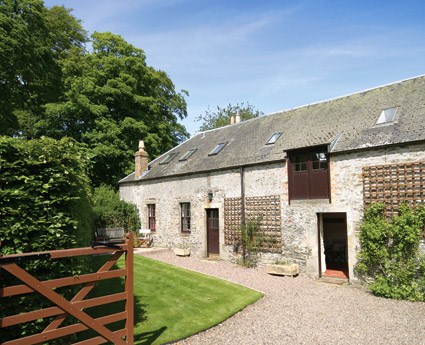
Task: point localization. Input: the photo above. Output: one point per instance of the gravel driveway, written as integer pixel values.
(304, 311)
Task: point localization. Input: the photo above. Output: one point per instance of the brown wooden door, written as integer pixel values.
(213, 242)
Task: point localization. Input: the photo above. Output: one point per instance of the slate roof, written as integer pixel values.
(346, 123)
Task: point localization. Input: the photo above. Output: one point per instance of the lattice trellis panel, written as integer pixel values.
(232, 219)
(394, 183)
(267, 208)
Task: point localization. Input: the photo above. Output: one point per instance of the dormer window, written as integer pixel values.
(187, 154)
(274, 138)
(217, 149)
(387, 115)
(168, 158)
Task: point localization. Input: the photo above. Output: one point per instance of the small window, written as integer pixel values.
(300, 162)
(187, 154)
(168, 158)
(185, 216)
(151, 217)
(387, 115)
(274, 138)
(319, 161)
(217, 149)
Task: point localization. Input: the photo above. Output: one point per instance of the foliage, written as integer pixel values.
(219, 117)
(44, 205)
(390, 254)
(168, 297)
(33, 43)
(111, 101)
(250, 242)
(110, 211)
(107, 98)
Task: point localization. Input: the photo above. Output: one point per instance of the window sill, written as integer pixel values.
(310, 202)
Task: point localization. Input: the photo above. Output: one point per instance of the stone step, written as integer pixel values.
(333, 280)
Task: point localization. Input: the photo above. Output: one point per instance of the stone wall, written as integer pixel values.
(168, 193)
(300, 229)
(347, 183)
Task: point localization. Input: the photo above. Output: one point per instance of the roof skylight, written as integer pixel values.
(217, 149)
(168, 158)
(187, 154)
(273, 138)
(387, 115)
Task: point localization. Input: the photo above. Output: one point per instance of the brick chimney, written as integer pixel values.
(141, 159)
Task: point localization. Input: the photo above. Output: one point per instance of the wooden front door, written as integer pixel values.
(213, 242)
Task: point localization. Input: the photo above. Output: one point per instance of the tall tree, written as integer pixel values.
(32, 42)
(219, 117)
(112, 100)
(107, 98)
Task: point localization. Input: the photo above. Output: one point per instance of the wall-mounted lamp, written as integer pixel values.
(210, 196)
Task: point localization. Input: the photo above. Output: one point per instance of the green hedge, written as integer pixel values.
(44, 195)
(44, 205)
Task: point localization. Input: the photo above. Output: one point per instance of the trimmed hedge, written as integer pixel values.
(44, 195)
(44, 205)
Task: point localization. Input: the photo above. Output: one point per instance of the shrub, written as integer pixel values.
(249, 242)
(390, 256)
(110, 211)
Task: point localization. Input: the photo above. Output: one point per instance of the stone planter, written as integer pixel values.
(283, 270)
(182, 251)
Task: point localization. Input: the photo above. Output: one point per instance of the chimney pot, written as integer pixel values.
(232, 120)
(238, 118)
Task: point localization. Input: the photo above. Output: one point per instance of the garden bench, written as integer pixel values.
(110, 235)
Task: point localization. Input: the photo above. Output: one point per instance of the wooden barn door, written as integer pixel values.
(213, 242)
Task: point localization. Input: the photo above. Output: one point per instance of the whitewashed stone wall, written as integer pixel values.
(299, 219)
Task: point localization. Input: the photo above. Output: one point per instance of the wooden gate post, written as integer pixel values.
(129, 288)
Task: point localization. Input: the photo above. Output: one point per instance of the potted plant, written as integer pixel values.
(283, 268)
(182, 249)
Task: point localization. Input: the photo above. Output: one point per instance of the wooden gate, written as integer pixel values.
(74, 307)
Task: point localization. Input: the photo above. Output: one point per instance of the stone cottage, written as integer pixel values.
(305, 173)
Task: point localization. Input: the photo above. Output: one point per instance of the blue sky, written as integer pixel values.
(275, 55)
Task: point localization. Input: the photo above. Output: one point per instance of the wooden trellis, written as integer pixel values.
(393, 184)
(266, 208)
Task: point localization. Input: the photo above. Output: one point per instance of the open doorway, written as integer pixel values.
(333, 245)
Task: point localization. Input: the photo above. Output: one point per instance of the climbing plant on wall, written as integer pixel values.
(390, 258)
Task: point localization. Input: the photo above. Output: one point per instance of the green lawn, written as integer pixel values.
(172, 303)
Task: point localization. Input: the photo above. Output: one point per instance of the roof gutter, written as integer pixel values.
(146, 178)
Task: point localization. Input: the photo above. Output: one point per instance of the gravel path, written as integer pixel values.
(304, 311)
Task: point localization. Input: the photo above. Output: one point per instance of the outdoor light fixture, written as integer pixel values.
(210, 196)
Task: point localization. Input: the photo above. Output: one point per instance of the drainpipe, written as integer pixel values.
(242, 173)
